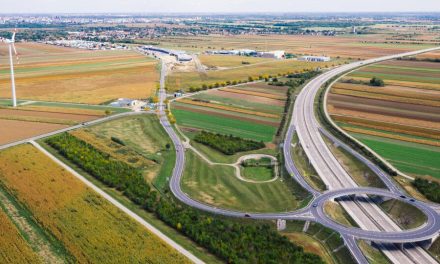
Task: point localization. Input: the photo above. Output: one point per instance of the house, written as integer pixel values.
(125, 102)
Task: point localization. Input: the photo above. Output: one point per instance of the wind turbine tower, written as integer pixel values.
(11, 44)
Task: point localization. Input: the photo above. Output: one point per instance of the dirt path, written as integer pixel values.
(40, 245)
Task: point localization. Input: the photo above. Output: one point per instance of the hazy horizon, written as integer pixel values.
(225, 6)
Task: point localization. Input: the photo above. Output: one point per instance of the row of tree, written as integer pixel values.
(295, 80)
(232, 241)
(227, 144)
(265, 78)
(430, 189)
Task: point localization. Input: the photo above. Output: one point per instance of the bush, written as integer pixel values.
(117, 140)
(377, 82)
(228, 145)
(430, 189)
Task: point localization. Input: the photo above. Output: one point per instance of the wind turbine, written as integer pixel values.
(11, 44)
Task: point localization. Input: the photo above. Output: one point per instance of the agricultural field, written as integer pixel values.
(401, 120)
(89, 227)
(32, 118)
(186, 80)
(15, 130)
(14, 246)
(70, 75)
(359, 46)
(226, 62)
(139, 141)
(251, 111)
(217, 185)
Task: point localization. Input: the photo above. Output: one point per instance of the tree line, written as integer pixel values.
(295, 80)
(227, 144)
(230, 240)
(430, 189)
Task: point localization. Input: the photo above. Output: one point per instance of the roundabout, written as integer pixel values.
(424, 232)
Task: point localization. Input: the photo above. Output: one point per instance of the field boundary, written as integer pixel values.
(120, 206)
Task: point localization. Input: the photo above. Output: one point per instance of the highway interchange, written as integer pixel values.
(378, 226)
(339, 183)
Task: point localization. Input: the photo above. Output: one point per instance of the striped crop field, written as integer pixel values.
(14, 248)
(404, 112)
(58, 74)
(90, 228)
(252, 111)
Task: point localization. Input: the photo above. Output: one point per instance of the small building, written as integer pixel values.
(125, 102)
(314, 58)
(276, 54)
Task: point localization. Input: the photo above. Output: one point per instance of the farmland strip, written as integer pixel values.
(386, 97)
(228, 108)
(391, 136)
(392, 127)
(239, 91)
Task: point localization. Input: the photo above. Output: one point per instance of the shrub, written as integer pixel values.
(227, 144)
(117, 140)
(430, 189)
(377, 82)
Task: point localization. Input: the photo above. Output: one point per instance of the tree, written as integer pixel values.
(377, 82)
(168, 146)
(107, 112)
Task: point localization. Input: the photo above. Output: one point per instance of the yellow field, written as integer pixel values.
(90, 228)
(13, 248)
(70, 75)
(184, 80)
(213, 61)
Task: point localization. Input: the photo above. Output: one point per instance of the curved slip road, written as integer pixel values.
(309, 131)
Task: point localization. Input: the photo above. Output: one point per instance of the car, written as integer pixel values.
(315, 205)
(412, 200)
(247, 215)
(403, 196)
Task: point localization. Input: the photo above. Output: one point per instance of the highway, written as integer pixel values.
(378, 226)
(368, 215)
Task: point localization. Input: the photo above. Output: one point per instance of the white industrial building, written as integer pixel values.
(276, 54)
(315, 58)
(180, 55)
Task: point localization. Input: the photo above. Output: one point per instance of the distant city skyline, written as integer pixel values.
(217, 6)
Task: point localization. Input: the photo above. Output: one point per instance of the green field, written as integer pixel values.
(405, 215)
(257, 173)
(408, 157)
(225, 126)
(398, 77)
(236, 102)
(218, 186)
(144, 135)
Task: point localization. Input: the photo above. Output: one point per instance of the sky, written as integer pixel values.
(215, 6)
